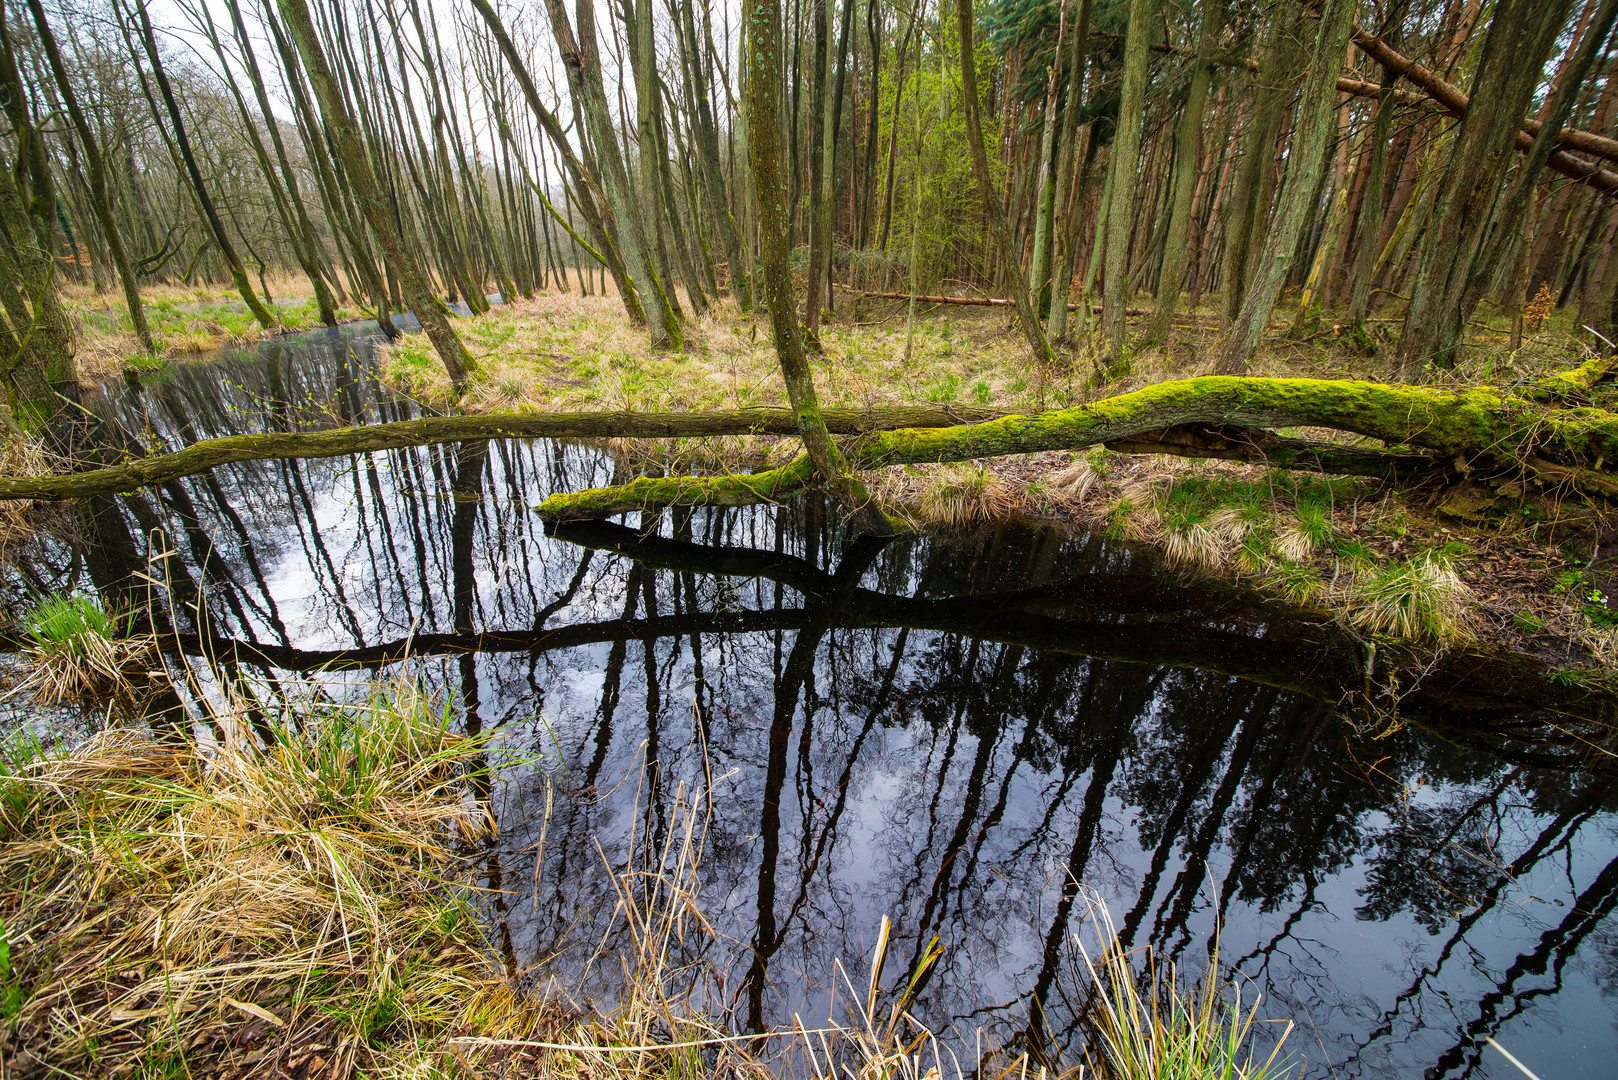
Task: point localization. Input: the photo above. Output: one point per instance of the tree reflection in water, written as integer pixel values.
(952, 733)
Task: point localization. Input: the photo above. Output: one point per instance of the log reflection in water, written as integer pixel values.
(950, 732)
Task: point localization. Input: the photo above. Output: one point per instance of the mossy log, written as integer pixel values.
(1469, 430)
(1428, 432)
(205, 454)
(970, 301)
(1574, 385)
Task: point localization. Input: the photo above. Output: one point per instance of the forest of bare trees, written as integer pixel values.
(1389, 171)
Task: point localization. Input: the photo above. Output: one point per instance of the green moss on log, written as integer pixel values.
(1574, 384)
(429, 431)
(1479, 426)
(651, 492)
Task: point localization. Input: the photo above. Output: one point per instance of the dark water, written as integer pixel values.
(950, 733)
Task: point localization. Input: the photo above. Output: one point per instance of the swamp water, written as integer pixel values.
(944, 731)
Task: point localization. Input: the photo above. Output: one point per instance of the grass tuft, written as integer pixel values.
(966, 495)
(79, 650)
(1149, 1024)
(1421, 597)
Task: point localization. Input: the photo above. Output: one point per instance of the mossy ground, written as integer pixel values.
(1348, 547)
(184, 320)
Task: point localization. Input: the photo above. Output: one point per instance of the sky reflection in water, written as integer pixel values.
(945, 732)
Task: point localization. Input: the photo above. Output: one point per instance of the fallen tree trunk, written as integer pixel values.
(972, 301)
(1470, 430)
(1455, 102)
(428, 431)
(1426, 432)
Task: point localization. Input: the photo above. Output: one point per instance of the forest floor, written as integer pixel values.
(1410, 563)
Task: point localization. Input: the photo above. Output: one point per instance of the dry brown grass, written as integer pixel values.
(565, 352)
(191, 910)
(186, 320)
(283, 286)
(951, 497)
(20, 455)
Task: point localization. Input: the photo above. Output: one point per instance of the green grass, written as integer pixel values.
(11, 994)
(1421, 597)
(68, 620)
(1148, 1023)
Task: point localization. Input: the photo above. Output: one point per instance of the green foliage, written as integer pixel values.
(1355, 553)
(1590, 599)
(1528, 622)
(146, 363)
(17, 796)
(948, 220)
(1299, 583)
(1029, 29)
(945, 391)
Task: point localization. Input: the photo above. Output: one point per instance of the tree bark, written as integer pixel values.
(1045, 197)
(95, 168)
(818, 164)
(1033, 327)
(763, 136)
(1071, 167)
(1187, 146)
(1306, 163)
(1217, 416)
(1519, 38)
(583, 183)
(210, 213)
(1125, 158)
(433, 430)
(581, 58)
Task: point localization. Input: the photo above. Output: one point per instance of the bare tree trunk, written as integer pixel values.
(1071, 166)
(1039, 264)
(1369, 227)
(1306, 164)
(1519, 38)
(97, 177)
(1125, 155)
(1033, 327)
(1186, 154)
(378, 214)
(764, 141)
(583, 183)
(819, 163)
(581, 58)
(216, 225)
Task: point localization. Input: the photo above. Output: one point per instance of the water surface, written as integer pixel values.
(956, 734)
